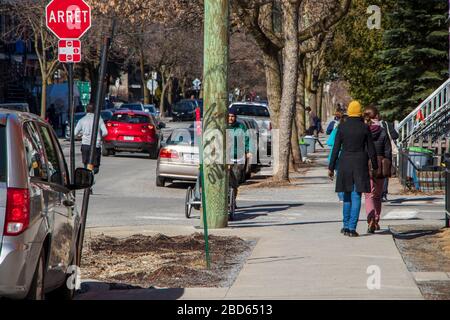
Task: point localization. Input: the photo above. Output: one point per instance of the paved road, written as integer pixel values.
(125, 194)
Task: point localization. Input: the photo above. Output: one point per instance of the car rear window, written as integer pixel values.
(151, 109)
(181, 137)
(255, 111)
(3, 159)
(135, 107)
(184, 106)
(129, 118)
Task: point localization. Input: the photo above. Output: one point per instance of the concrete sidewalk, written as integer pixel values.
(300, 253)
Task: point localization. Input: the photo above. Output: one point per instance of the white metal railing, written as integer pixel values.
(436, 105)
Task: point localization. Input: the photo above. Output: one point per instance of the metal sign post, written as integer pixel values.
(72, 123)
(98, 99)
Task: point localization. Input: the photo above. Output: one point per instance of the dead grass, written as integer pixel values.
(175, 262)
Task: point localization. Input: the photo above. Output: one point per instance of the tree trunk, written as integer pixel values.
(170, 92)
(273, 79)
(145, 91)
(320, 102)
(300, 103)
(162, 102)
(295, 147)
(93, 77)
(183, 87)
(44, 96)
(290, 78)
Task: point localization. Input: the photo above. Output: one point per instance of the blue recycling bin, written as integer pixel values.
(311, 142)
(419, 158)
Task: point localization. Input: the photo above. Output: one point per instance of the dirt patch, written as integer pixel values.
(162, 261)
(426, 248)
(407, 192)
(435, 290)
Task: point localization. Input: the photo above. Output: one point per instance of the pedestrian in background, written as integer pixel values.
(315, 125)
(330, 143)
(393, 136)
(355, 145)
(84, 127)
(335, 122)
(384, 157)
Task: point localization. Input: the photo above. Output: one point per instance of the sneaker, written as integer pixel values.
(353, 233)
(344, 231)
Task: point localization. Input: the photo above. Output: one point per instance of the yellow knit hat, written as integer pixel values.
(354, 109)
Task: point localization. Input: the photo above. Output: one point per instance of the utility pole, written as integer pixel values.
(215, 119)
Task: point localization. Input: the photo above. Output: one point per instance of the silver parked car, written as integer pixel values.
(39, 220)
(178, 159)
(260, 113)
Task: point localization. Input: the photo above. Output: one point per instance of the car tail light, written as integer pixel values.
(17, 211)
(151, 127)
(168, 154)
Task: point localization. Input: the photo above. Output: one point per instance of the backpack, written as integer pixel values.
(330, 127)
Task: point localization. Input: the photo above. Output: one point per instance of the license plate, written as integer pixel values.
(128, 138)
(191, 157)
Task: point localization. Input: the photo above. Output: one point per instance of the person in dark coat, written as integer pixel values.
(354, 140)
(383, 149)
(393, 137)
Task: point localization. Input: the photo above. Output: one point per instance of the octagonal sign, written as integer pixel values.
(68, 19)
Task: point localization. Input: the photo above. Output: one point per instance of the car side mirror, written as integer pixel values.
(84, 179)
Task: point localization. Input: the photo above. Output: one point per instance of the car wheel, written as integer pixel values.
(160, 182)
(105, 152)
(154, 152)
(36, 291)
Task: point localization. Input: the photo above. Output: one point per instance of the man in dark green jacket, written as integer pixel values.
(237, 159)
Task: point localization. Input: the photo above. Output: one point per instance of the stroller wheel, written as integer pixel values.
(188, 204)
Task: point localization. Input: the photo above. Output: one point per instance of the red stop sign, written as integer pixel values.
(68, 19)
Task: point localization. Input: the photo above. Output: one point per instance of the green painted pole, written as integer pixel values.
(215, 86)
(198, 135)
(205, 225)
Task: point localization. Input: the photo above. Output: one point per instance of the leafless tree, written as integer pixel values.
(30, 20)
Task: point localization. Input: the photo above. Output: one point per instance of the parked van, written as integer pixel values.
(39, 221)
